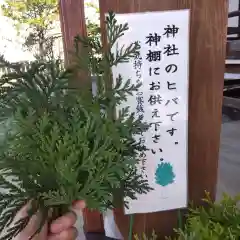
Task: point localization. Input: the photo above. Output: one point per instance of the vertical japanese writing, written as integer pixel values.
(171, 31)
(137, 65)
(162, 70)
(155, 55)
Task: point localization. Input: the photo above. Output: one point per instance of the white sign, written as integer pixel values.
(162, 67)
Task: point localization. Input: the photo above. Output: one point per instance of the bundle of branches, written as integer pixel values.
(62, 143)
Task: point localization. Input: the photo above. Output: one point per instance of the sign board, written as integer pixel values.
(162, 101)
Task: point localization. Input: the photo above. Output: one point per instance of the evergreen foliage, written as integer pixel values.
(215, 221)
(93, 28)
(145, 237)
(39, 16)
(62, 144)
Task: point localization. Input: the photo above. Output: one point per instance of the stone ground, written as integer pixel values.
(229, 158)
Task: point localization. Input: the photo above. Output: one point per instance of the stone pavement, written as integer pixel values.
(229, 158)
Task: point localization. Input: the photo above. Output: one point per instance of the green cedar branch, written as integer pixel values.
(63, 144)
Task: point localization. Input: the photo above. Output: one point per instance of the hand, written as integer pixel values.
(60, 229)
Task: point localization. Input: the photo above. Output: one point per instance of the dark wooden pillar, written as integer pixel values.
(73, 23)
(207, 64)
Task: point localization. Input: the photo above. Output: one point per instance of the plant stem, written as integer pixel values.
(131, 227)
(180, 225)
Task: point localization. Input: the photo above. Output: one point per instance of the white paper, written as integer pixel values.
(110, 227)
(79, 224)
(170, 72)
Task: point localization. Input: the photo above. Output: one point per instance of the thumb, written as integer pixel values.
(32, 226)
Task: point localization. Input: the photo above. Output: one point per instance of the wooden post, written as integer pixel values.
(73, 23)
(207, 64)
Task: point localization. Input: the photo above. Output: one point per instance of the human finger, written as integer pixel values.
(32, 225)
(69, 234)
(63, 223)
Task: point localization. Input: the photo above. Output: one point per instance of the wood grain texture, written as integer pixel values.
(207, 64)
(72, 19)
(93, 221)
